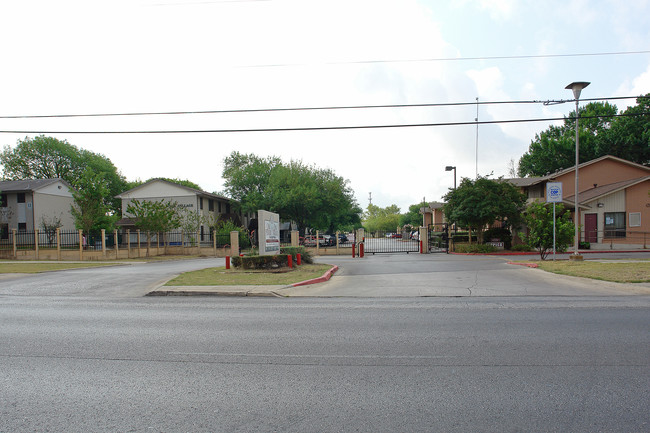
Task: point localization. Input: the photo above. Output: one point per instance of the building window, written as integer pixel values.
(201, 203)
(4, 232)
(22, 227)
(635, 219)
(20, 197)
(228, 208)
(219, 207)
(614, 224)
(3, 200)
(211, 205)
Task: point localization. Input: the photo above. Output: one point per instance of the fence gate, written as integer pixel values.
(438, 235)
(391, 242)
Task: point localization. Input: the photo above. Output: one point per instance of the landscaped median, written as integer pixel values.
(618, 271)
(244, 282)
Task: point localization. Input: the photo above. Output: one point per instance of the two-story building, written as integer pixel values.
(26, 204)
(205, 204)
(613, 199)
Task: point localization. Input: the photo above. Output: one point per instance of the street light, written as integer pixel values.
(450, 168)
(576, 87)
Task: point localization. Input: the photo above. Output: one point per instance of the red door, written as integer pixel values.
(591, 227)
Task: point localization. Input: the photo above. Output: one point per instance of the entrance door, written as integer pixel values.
(591, 227)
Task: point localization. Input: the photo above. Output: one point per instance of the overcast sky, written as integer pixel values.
(124, 56)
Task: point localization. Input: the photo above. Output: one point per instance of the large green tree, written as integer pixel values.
(155, 216)
(44, 157)
(413, 217)
(554, 148)
(385, 219)
(91, 208)
(476, 204)
(310, 196)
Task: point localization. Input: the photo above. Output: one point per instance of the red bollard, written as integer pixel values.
(352, 250)
(421, 252)
(361, 250)
(290, 260)
(298, 259)
(227, 262)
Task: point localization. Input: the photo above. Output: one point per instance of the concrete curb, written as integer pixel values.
(530, 265)
(326, 276)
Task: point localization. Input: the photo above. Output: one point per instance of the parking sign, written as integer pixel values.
(554, 192)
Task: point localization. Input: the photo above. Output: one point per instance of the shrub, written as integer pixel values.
(584, 245)
(305, 256)
(475, 249)
(503, 234)
(520, 247)
(261, 262)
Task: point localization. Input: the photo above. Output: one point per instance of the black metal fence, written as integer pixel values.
(392, 242)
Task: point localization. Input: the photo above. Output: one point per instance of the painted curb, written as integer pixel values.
(326, 276)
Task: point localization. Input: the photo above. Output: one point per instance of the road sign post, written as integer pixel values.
(554, 195)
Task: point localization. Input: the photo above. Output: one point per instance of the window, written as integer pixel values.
(227, 207)
(219, 207)
(4, 231)
(211, 205)
(3, 200)
(635, 219)
(20, 197)
(201, 203)
(22, 227)
(614, 224)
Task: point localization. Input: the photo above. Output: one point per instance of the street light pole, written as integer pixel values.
(450, 168)
(576, 87)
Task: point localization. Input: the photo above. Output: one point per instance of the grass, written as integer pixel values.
(615, 271)
(235, 277)
(36, 267)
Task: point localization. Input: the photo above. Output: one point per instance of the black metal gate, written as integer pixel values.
(391, 242)
(438, 235)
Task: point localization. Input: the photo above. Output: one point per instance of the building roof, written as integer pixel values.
(522, 182)
(603, 190)
(196, 191)
(26, 185)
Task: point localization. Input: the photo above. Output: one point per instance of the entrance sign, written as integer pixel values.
(554, 192)
(554, 195)
(268, 232)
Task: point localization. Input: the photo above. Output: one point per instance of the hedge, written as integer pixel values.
(261, 262)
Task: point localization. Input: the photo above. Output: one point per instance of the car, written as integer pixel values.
(343, 239)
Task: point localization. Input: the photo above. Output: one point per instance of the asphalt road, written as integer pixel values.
(275, 364)
(83, 351)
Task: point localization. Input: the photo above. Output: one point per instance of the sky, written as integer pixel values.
(143, 56)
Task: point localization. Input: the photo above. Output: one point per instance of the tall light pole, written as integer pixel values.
(576, 87)
(450, 168)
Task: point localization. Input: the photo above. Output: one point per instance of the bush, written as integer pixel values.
(503, 234)
(475, 249)
(261, 262)
(520, 247)
(584, 245)
(305, 256)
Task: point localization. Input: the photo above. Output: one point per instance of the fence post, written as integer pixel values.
(234, 243)
(148, 242)
(104, 243)
(81, 244)
(317, 242)
(58, 243)
(13, 235)
(295, 238)
(36, 243)
(128, 243)
(424, 239)
(214, 240)
(139, 243)
(337, 242)
(116, 241)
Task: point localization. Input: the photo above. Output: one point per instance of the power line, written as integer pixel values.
(450, 59)
(318, 128)
(335, 107)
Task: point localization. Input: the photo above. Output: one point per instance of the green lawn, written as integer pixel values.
(235, 277)
(616, 271)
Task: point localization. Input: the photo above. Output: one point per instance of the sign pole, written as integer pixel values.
(554, 195)
(553, 231)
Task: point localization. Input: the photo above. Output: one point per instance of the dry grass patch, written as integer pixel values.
(235, 277)
(615, 271)
(36, 267)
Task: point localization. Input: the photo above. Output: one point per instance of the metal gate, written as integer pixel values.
(390, 242)
(438, 236)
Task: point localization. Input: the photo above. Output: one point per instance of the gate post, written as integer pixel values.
(424, 239)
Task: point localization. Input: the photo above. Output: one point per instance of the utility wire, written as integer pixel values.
(341, 107)
(318, 128)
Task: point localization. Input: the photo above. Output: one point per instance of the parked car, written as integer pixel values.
(343, 239)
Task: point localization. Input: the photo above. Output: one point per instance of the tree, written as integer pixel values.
(47, 158)
(154, 216)
(475, 204)
(381, 219)
(413, 217)
(91, 209)
(602, 131)
(539, 219)
(312, 197)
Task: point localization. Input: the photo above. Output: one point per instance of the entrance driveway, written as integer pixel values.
(399, 275)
